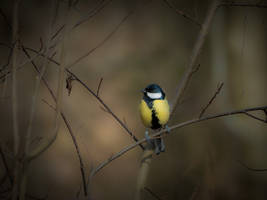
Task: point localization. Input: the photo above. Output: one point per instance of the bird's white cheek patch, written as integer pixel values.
(154, 95)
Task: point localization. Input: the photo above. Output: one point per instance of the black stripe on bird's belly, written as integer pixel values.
(155, 120)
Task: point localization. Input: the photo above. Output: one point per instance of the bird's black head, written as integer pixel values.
(153, 91)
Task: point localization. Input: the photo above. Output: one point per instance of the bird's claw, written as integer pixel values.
(167, 129)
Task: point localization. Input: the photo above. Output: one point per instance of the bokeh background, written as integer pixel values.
(153, 45)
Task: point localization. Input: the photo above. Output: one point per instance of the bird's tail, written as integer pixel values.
(159, 145)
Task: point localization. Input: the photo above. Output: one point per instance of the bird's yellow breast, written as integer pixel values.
(145, 113)
(161, 110)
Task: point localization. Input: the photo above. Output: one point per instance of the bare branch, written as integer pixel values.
(99, 85)
(180, 125)
(105, 106)
(29, 49)
(195, 53)
(254, 117)
(6, 165)
(57, 32)
(91, 14)
(179, 12)
(8, 60)
(51, 106)
(77, 151)
(250, 168)
(65, 121)
(107, 109)
(81, 57)
(237, 4)
(152, 193)
(211, 100)
(101, 43)
(6, 19)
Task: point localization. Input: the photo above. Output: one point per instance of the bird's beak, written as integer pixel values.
(143, 91)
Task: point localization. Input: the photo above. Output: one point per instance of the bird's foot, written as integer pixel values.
(148, 139)
(157, 150)
(167, 129)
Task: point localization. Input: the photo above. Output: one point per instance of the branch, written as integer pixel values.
(6, 165)
(180, 125)
(8, 60)
(152, 193)
(91, 14)
(101, 43)
(195, 53)
(26, 49)
(105, 106)
(236, 4)
(250, 168)
(6, 19)
(77, 151)
(254, 117)
(98, 88)
(81, 57)
(29, 49)
(64, 119)
(211, 100)
(179, 12)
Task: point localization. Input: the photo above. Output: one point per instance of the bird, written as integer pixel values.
(154, 112)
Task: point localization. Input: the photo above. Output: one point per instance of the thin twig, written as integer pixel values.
(51, 106)
(6, 19)
(105, 106)
(8, 60)
(180, 125)
(101, 43)
(81, 57)
(254, 117)
(78, 153)
(28, 135)
(6, 165)
(152, 193)
(99, 85)
(92, 13)
(64, 119)
(30, 49)
(57, 32)
(211, 100)
(195, 53)
(179, 12)
(250, 168)
(236, 4)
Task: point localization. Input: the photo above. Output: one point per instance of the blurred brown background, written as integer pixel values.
(153, 45)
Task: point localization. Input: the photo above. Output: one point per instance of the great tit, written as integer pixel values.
(155, 113)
